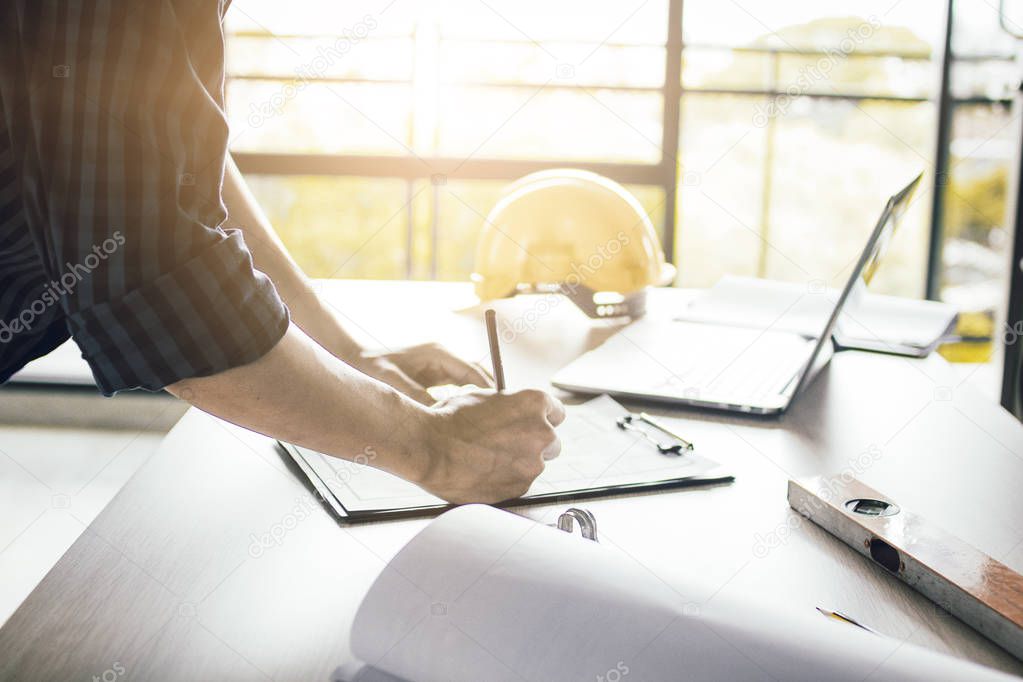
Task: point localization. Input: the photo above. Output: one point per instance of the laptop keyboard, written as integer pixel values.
(704, 362)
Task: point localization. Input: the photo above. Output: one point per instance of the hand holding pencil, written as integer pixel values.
(489, 446)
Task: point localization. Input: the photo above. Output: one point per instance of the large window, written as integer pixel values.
(762, 137)
(982, 141)
(379, 134)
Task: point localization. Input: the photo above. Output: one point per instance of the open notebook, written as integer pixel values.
(482, 594)
(597, 458)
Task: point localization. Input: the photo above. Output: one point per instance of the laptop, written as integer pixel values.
(738, 369)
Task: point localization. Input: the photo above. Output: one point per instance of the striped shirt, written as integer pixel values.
(113, 142)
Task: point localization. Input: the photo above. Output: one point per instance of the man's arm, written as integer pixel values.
(158, 297)
(269, 254)
(482, 447)
(410, 370)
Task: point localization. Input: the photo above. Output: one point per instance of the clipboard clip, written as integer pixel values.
(680, 447)
(585, 518)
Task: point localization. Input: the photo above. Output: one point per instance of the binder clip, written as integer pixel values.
(587, 522)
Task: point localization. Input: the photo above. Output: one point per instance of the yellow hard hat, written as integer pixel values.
(574, 232)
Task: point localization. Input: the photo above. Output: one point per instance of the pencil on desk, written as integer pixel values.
(495, 349)
(841, 617)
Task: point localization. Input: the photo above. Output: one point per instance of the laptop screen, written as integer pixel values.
(866, 267)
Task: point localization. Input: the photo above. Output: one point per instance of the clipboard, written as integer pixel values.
(601, 457)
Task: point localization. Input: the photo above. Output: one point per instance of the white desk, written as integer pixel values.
(58, 390)
(163, 583)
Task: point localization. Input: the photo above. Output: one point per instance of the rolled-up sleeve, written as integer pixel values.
(115, 113)
(210, 313)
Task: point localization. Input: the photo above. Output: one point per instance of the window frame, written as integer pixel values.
(665, 173)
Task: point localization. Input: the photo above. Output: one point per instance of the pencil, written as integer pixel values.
(495, 349)
(841, 617)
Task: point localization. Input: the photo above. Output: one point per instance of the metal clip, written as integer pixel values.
(626, 423)
(587, 522)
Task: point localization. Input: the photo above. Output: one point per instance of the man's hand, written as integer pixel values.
(489, 447)
(475, 447)
(413, 370)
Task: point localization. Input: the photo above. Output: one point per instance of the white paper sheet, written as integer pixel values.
(482, 594)
(595, 453)
(870, 320)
